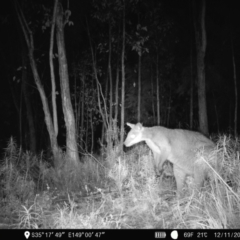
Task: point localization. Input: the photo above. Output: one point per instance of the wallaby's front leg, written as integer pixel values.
(158, 160)
(180, 176)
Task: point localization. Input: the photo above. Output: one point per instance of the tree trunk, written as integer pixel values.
(117, 78)
(110, 86)
(235, 90)
(105, 127)
(169, 106)
(54, 105)
(92, 132)
(71, 142)
(31, 127)
(116, 93)
(191, 90)
(48, 119)
(18, 106)
(82, 98)
(123, 78)
(191, 76)
(99, 87)
(158, 94)
(153, 100)
(215, 108)
(86, 133)
(139, 87)
(201, 43)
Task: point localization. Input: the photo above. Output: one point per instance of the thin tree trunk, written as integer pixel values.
(116, 93)
(158, 93)
(201, 43)
(18, 107)
(153, 100)
(92, 125)
(191, 89)
(117, 79)
(110, 85)
(86, 134)
(82, 113)
(92, 133)
(104, 127)
(76, 102)
(139, 87)
(54, 105)
(191, 103)
(169, 106)
(123, 78)
(191, 77)
(235, 90)
(48, 119)
(230, 116)
(215, 108)
(20, 121)
(71, 141)
(31, 127)
(99, 87)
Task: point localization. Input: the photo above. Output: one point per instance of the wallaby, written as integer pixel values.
(180, 147)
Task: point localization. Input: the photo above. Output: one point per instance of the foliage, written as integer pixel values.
(118, 194)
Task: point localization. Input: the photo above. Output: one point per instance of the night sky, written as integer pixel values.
(177, 46)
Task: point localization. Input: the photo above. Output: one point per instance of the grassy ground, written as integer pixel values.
(116, 192)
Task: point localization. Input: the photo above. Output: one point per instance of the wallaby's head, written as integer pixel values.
(135, 135)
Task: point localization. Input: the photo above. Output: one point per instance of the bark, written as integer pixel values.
(27, 99)
(201, 43)
(92, 132)
(191, 104)
(71, 141)
(99, 87)
(87, 124)
(48, 119)
(191, 77)
(18, 105)
(117, 80)
(76, 96)
(139, 87)
(110, 76)
(105, 127)
(158, 94)
(216, 112)
(169, 106)
(54, 105)
(191, 91)
(123, 78)
(82, 98)
(116, 92)
(235, 90)
(153, 100)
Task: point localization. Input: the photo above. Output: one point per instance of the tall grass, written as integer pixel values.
(116, 191)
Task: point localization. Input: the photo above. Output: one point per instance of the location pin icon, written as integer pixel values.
(27, 234)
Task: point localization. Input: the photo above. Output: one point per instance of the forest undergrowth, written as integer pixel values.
(116, 192)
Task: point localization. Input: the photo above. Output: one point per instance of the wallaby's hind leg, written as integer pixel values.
(180, 176)
(156, 160)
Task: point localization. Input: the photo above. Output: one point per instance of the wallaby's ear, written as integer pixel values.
(139, 125)
(131, 125)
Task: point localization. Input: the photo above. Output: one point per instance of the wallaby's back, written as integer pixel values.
(181, 145)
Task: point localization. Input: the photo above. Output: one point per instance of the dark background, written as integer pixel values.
(177, 47)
